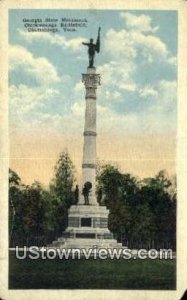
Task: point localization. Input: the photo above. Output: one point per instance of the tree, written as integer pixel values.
(14, 179)
(155, 191)
(142, 227)
(37, 214)
(62, 191)
(119, 195)
(119, 221)
(142, 212)
(34, 209)
(62, 184)
(15, 205)
(109, 181)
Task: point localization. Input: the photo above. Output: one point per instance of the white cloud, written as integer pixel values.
(150, 45)
(78, 109)
(161, 115)
(148, 92)
(122, 49)
(126, 45)
(167, 93)
(127, 48)
(23, 99)
(138, 23)
(130, 87)
(73, 44)
(119, 44)
(164, 92)
(110, 121)
(117, 73)
(38, 68)
(47, 122)
(116, 78)
(79, 87)
(154, 119)
(26, 110)
(173, 61)
(111, 96)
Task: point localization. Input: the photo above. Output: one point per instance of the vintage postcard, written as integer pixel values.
(93, 149)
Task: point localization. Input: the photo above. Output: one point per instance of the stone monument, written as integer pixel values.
(88, 221)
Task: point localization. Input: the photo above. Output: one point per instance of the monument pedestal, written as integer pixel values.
(87, 227)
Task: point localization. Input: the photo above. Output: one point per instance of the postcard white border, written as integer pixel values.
(181, 7)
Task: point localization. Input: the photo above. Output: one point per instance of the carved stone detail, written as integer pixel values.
(91, 80)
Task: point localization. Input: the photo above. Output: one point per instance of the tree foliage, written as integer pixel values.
(62, 183)
(142, 212)
(36, 213)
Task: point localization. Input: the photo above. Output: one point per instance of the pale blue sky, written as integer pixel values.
(136, 103)
(137, 64)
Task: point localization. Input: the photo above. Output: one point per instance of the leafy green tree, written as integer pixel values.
(34, 209)
(50, 223)
(59, 217)
(119, 221)
(62, 184)
(40, 217)
(143, 212)
(109, 181)
(36, 213)
(142, 227)
(119, 195)
(62, 190)
(155, 192)
(30, 212)
(14, 179)
(129, 189)
(16, 200)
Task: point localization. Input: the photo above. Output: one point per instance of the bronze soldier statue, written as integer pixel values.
(76, 194)
(85, 191)
(92, 48)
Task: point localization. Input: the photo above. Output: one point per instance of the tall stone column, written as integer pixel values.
(91, 80)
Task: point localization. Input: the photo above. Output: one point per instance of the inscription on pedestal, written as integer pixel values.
(86, 222)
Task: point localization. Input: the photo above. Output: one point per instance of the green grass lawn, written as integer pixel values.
(91, 274)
